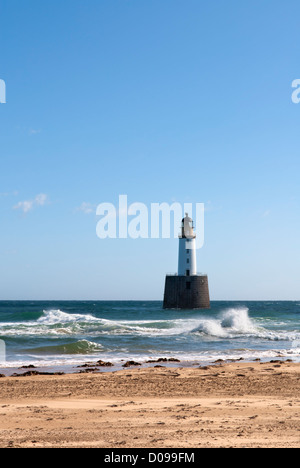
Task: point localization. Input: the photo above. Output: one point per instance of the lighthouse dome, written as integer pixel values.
(187, 227)
(187, 219)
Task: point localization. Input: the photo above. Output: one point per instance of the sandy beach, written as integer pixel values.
(224, 405)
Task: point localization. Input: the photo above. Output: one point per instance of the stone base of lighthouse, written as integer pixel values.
(186, 292)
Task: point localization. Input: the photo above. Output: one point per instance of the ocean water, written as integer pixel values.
(70, 333)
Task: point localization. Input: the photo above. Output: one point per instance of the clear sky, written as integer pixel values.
(173, 100)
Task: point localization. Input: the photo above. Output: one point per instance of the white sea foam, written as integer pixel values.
(238, 320)
(51, 317)
(230, 323)
(118, 359)
(202, 336)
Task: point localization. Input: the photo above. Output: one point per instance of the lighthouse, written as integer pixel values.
(187, 289)
(187, 264)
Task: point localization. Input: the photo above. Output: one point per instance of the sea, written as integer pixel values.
(63, 335)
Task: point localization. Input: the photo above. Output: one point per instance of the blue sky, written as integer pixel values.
(186, 101)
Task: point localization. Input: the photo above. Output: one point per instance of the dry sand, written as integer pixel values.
(226, 405)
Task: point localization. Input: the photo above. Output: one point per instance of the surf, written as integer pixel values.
(83, 347)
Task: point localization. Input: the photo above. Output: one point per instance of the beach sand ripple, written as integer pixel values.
(225, 405)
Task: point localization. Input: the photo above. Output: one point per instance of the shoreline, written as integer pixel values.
(98, 366)
(237, 404)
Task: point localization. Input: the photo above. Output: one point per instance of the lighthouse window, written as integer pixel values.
(187, 260)
(187, 272)
(187, 251)
(188, 285)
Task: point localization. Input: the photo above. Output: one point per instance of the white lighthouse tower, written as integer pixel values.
(187, 262)
(187, 289)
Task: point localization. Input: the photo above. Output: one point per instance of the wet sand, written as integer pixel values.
(225, 405)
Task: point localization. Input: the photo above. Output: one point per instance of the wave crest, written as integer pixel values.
(78, 347)
(238, 320)
(230, 323)
(52, 317)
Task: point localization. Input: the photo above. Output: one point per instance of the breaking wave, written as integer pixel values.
(84, 347)
(236, 323)
(79, 331)
(228, 324)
